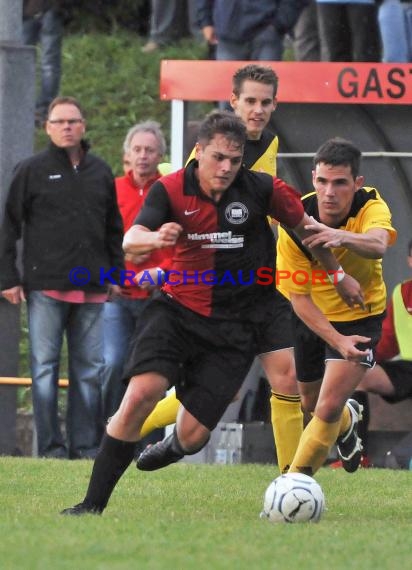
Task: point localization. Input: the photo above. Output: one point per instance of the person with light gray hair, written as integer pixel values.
(144, 146)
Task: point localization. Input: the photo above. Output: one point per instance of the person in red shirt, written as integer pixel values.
(144, 147)
(394, 328)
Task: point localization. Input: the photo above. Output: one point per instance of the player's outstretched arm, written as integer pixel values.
(313, 317)
(371, 244)
(348, 288)
(139, 239)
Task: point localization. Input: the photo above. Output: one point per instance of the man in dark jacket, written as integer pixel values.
(62, 203)
(246, 29)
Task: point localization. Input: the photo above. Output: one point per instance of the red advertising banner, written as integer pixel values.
(299, 82)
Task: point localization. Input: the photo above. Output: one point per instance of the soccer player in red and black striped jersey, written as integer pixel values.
(198, 333)
(253, 99)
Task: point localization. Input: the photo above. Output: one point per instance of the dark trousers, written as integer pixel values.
(348, 32)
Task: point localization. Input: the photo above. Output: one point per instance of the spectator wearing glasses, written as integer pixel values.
(62, 203)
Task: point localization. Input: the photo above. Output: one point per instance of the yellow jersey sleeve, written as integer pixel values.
(374, 215)
(304, 277)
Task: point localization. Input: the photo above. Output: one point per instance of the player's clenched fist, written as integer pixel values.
(139, 239)
(168, 234)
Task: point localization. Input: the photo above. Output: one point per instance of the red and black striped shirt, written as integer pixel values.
(223, 244)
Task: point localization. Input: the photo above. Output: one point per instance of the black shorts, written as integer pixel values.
(206, 359)
(311, 351)
(274, 331)
(400, 375)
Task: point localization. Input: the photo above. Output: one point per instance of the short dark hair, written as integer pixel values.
(222, 123)
(64, 100)
(339, 152)
(253, 72)
(410, 248)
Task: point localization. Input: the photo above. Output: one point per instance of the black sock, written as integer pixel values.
(112, 460)
(363, 428)
(175, 444)
(177, 447)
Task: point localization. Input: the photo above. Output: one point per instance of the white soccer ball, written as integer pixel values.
(293, 498)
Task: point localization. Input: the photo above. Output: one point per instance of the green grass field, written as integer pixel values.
(199, 517)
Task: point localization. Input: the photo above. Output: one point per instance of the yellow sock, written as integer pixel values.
(163, 415)
(287, 424)
(345, 421)
(314, 446)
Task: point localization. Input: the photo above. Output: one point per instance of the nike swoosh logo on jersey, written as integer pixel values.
(189, 212)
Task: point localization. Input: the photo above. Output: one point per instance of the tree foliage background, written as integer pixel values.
(104, 15)
(118, 85)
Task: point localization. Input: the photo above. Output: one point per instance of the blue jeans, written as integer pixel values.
(265, 45)
(120, 318)
(395, 25)
(83, 324)
(46, 30)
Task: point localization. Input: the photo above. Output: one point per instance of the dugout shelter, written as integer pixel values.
(367, 103)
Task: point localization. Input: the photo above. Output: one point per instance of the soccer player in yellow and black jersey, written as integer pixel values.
(253, 99)
(334, 343)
